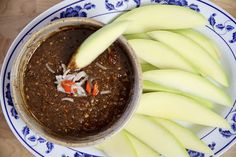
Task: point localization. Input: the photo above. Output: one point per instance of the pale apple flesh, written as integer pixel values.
(141, 148)
(137, 36)
(188, 139)
(153, 17)
(149, 86)
(202, 41)
(177, 107)
(117, 146)
(159, 55)
(96, 44)
(192, 52)
(155, 136)
(188, 83)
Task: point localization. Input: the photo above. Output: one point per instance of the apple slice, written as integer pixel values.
(173, 106)
(188, 139)
(155, 136)
(149, 86)
(153, 17)
(192, 52)
(137, 36)
(201, 40)
(141, 148)
(118, 146)
(159, 55)
(96, 44)
(188, 83)
(147, 67)
(141, 61)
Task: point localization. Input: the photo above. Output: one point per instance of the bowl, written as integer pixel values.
(17, 75)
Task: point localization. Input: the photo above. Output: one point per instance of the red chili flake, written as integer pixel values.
(88, 87)
(67, 84)
(95, 89)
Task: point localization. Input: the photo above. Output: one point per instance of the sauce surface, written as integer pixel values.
(86, 115)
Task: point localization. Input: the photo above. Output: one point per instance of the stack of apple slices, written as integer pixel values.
(182, 80)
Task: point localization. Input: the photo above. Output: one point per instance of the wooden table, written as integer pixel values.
(14, 15)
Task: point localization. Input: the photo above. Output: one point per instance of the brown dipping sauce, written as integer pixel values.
(87, 115)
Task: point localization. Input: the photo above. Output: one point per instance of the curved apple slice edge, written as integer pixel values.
(96, 44)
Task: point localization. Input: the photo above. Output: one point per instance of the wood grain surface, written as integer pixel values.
(14, 15)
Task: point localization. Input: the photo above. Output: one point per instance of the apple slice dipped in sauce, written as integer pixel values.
(96, 44)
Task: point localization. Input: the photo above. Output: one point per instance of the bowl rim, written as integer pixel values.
(34, 124)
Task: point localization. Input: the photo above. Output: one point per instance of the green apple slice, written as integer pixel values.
(192, 52)
(141, 61)
(147, 67)
(155, 136)
(188, 83)
(201, 40)
(137, 36)
(141, 148)
(185, 136)
(174, 106)
(159, 55)
(153, 17)
(118, 146)
(149, 86)
(97, 43)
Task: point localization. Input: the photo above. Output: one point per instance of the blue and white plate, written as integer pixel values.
(222, 29)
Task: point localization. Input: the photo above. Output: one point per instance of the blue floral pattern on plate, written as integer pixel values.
(179, 3)
(199, 154)
(232, 131)
(195, 154)
(9, 99)
(120, 4)
(77, 11)
(223, 28)
(35, 140)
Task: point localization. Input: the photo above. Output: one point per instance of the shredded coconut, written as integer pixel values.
(79, 75)
(101, 66)
(71, 83)
(65, 73)
(63, 67)
(67, 99)
(49, 68)
(105, 92)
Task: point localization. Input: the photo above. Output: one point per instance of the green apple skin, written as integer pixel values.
(178, 107)
(188, 83)
(147, 67)
(149, 86)
(202, 41)
(119, 145)
(192, 52)
(155, 136)
(159, 55)
(137, 36)
(153, 17)
(185, 136)
(91, 48)
(141, 148)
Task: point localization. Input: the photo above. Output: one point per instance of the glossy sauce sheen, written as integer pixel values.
(86, 115)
